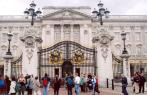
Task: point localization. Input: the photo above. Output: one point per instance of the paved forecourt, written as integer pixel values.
(63, 91)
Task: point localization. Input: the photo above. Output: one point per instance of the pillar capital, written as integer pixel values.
(103, 37)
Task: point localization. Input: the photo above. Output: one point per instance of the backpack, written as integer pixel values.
(2, 83)
(17, 87)
(45, 82)
(69, 81)
(81, 81)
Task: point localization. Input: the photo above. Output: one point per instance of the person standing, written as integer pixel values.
(45, 81)
(77, 84)
(21, 82)
(136, 82)
(85, 83)
(82, 82)
(29, 85)
(8, 82)
(141, 83)
(69, 83)
(124, 85)
(93, 84)
(12, 86)
(37, 87)
(97, 86)
(2, 86)
(57, 83)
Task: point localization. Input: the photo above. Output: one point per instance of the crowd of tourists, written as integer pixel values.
(13, 85)
(138, 83)
(33, 86)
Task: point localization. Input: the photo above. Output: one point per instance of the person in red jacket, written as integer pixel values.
(97, 86)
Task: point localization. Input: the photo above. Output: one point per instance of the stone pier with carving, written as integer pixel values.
(104, 56)
(30, 41)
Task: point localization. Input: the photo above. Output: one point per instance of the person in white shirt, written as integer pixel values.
(93, 84)
(37, 86)
(77, 84)
(12, 86)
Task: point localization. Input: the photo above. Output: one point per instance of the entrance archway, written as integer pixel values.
(67, 68)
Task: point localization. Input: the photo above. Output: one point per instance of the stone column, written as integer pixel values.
(104, 56)
(71, 34)
(7, 68)
(30, 59)
(7, 65)
(126, 67)
(62, 32)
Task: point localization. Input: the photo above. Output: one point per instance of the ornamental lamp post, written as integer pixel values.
(31, 12)
(123, 35)
(9, 40)
(125, 56)
(8, 57)
(101, 12)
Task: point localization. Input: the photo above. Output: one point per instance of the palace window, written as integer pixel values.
(129, 48)
(15, 37)
(128, 36)
(118, 49)
(138, 50)
(4, 37)
(66, 31)
(3, 50)
(85, 32)
(76, 33)
(138, 36)
(57, 31)
(48, 32)
(117, 36)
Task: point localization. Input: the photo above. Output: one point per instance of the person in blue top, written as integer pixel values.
(93, 84)
(2, 85)
(45, 82)
(30, 85)
(69, 83)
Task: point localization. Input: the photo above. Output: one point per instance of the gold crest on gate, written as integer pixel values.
(55, 57)
(78, 57)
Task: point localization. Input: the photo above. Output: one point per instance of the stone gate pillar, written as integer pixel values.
(102, 43)
(30, 41)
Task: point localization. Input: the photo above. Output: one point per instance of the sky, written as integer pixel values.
(116, 7)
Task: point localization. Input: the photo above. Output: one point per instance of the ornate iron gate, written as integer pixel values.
(16, 67)
(117, 66)
(66, 57)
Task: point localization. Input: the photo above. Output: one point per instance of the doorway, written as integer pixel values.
(67, 68)
(56, 71)
(78, 71)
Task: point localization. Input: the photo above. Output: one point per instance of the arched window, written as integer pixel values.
(129, 49)
(139, 49)
(118, 49)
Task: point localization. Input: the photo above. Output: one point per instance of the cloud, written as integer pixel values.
(139, 9)
(116, 7)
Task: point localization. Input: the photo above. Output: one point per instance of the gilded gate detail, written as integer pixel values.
(70, 53)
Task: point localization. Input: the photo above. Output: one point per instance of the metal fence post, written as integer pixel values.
(107, 83)
(112, 84)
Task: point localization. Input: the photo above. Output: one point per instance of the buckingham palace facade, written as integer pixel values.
(63, 40)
